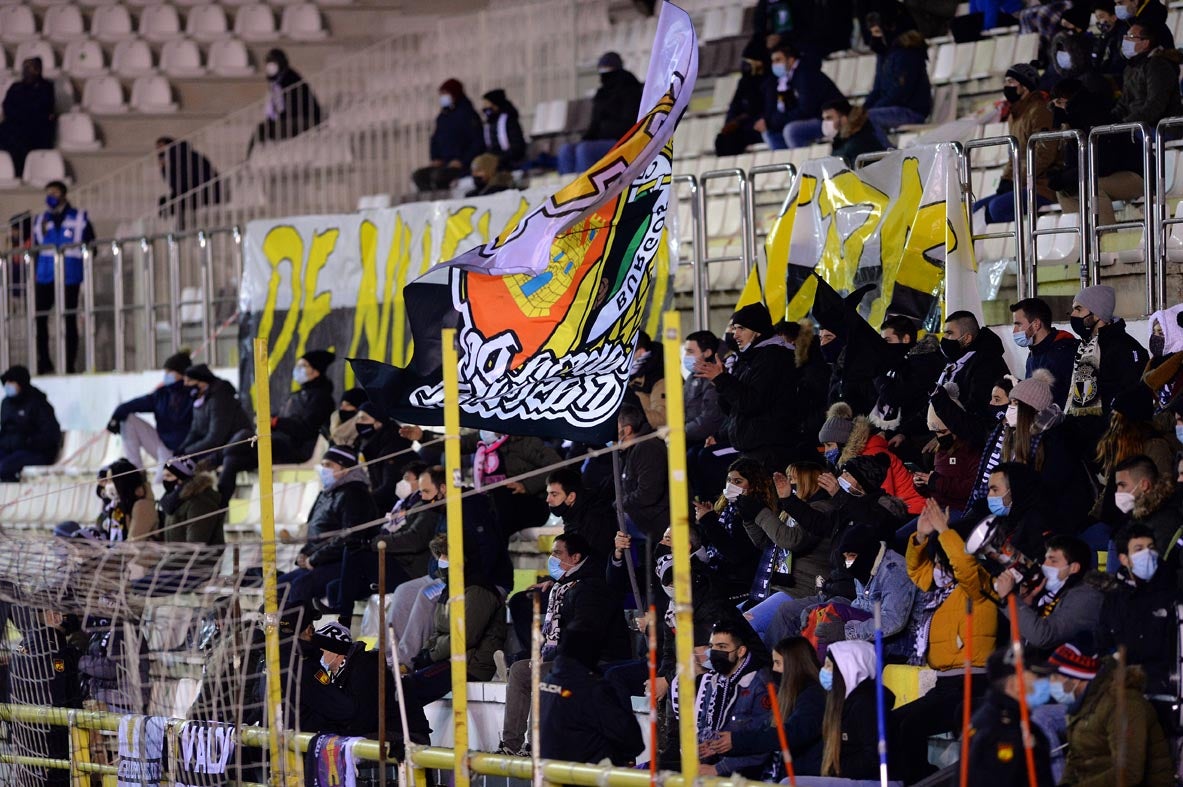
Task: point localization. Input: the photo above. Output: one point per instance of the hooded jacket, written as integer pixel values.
(898, 482)
(216, 417)
(901, 76)
(859, 758)
(859, 138)
(304, 414)
(615, 105)
(1150, 88)
(1123, 359)
(1030, 115)
(28, 423)
(753, 396)
(1159, 510)
(171, 408)
(344, 505)
(1057, 354)
(645, 485)
(584, 717)
(199, 505)
(459, 134)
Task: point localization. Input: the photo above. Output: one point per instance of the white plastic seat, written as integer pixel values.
(181, 58)
(1004, 50)
(228, 58)
(1026, 48)
(63, 23)
(17, 23)
(132, 58)
(963, 58)
(76, 133)
(84, 59)
(96, 3)
(945, 60)
(8, 178)
(864, 76)
(152, 95)
(254, 22)
(103, 96)
(42, 166)
(111, 23)
(160, 23)
(983, 59)
(37, 48)
(207, 23)
(303, 23)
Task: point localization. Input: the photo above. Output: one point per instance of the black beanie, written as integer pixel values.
(754, 317)
(319, 359)
(869, 471)
(372, 409)
(200, 373)
(178, 362)
(344, 455)
(355, 396)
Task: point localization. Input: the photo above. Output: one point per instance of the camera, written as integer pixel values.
(990, 543)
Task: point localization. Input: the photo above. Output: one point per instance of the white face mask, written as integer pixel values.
(849, 562)
(1054, 583)
(1012, 415)
(327, 477)
(271, 69)
(1122, 12)
(732, 492)
(1128, 48)
(403, 489)
(1143, 564)
(1124, 501)
(445, 100)
(829, 129)
(1063, 60)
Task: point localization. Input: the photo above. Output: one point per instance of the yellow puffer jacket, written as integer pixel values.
(946, 639)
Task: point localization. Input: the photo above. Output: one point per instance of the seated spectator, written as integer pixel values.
(488, 177)
(954, 464)
(901, 93)
(1070, 50)
(190, 513)
(1064, 605)
(849, 129)
(1108, 360)
(744, 122)
(1047, 347)
(850, 733)
(644, 478)
(1147, 496)
(580, 511)
(865, 440)
(291, 108)
(1107, 56)
(342, 426)
(996, 748)
(217, 415)
(192, 180)
(732, 697)
(503, 129)
(385, 452)
(172, 412)
(29, 431)
(1029, 115)
(131, 515)
(1111, 739)
(732, 555)
(30, 119)
(458, 139)
(294, 430)
(794, 94)
(614, 111)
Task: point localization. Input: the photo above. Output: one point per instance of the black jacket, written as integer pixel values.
(1057, 354)
(385, 473)
(28, 423)
(301, 110)
(347, 504)
(860, 138)
(504, 137)
(409, 544)
(191, 175)
(747, 103)
(860, 731)
(593, 605)
(216, 416)
(584, 718)
(615, 106)
(996, 756)
(902, 406)
(975, 381)
(304, 414)
(29, 114)
(592, 518)
(458, 135)
(644, 485)
(1141, 616)
(754, 395)
(805, 93)
(1123, 359)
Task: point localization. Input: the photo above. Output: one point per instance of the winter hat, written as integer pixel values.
(754, 317)
(1001, 664)
(497, 98)
(16, 374)
(1099, 299)
(839, 422)
(319, 359)
(935, 424)
(333, 637)
(200, 373)
(610, 60)
(178, 362)
(1135, 404)
(344, 455)
(1025, 74)
(1069, 661)
(870, 471)
(373, 410)
(181, 467)
(454, 88)
(355, 396)
(1035, 391)
(1078, 15)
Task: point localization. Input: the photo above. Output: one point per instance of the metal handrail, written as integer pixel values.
(1162, 218)
(747, 239)
(1034, 233)
(699, 247)
(1012, 146)
(863, 159)
(754, 174)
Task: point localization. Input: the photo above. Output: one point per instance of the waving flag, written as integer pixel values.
(548, 313)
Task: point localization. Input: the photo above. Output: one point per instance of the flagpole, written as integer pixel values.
(967, 696)
(652, 695)
(785, 754)
(680, 528)
(451, 369)
(1021, 678)
(620, 525)
(880, 702)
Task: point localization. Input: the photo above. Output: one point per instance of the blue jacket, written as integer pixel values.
(72, 226)
(1057, 354)
(750, 713)
(172, 408)
(459, 134)
(901, 76)
(808, 90)
(891, 585)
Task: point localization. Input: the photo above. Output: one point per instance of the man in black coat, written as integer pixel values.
(901, 410)
(975, 361)
(503, 129)
(582, 512)
(217, 414)
(29, 431)
(291, 108)
(644, 478)
(614, 112)
(386, 453)
(29, 119)
(1108, 360)
(996, 754)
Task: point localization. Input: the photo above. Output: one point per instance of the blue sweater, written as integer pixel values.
(459, 134)
(172, 408)
(901, 76)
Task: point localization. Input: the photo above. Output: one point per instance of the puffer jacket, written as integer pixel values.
(484, 622)
(199, 506)
(946, 636)
(28, 423)
(1123, 358)
(1091, 761)
(216, 416)
(346, 504)
(753, 396)
(1150, 88)
(899, 481)
(304, 414)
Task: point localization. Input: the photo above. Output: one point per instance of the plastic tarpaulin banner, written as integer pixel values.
(898, 224)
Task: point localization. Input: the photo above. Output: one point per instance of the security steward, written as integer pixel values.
(996, 754)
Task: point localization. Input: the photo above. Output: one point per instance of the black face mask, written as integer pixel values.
(878, 45)
(1010, 93)
(346, 415)
(1081, 328)
(365, 430)
(945, 442)
(489, 113)
(170, 485)
(831, 351)
(1157, 345)
(480, 183)
(996, 410)
(560, 510)
(721, 661)
(952, 349)
(194, 392)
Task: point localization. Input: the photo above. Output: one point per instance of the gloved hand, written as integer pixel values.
(422, 659)
(748, 506)
(833, 631)
(113, 426)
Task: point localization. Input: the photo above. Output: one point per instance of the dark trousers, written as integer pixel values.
(244, 457)
(436, 178)
(12, 462)
(521, 613)
(429, 684)
(305, 584)
(44, 298)
(939, 711)
(357, 581)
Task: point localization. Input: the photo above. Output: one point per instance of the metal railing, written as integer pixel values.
(698, 248)
(1016, 235)
(738, 179)
(1073, 138)
(1166, 129)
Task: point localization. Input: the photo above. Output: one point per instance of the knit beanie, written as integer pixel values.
(1099, 299)
(754, 317)
(839, 422)
(178, 362)
(201, 373)
(935, 424)
(319, 359)
(1025, 74)
(1035, 391)
(1135, 404)
(1069, 661)
(870, 471)
(181, 467)
(355, 396)
(344, 455)
(610, 60)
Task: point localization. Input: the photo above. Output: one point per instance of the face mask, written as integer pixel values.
(829, 129)
(952, 349)
(326, 476)
(1157, 345)
(779, 70)
(1080, 328)
(324, 663)
(300, 375)
(1063, 60)
(848, 488)
(403, 489)
(1144, 564)
(271, 69)
(720, 661)
(52, 201)
(878, 46)
(1012, 415)
(688, 362)
(997, 507)
(443, 564)
(170, 485)
(1021, 339)
(1040, 693)
(732, 492)
(554, 567)
(488, 438)
(194, 392)
(832, 455)
(945, 442)
(1124, 501)
(1060, 695)
(11, 390)
(1054, 583)
(365, 430)
(1011, 93)
(445, 100)
(1127, 48)
(825, 676)
(171, 377)
(1179, 432)
(489, 113)
(849, 563)
(1122, 12)
(346, 415)
(560, 510)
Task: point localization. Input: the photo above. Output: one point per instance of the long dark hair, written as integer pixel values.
(832, 725)
(759, 480)
(801, 668)
(128, 480)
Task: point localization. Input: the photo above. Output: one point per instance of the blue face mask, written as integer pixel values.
(832, 455)
(825, 676)
(11, 390)
(300, 375)
(1040, 693)
(326, 476)
(52, 201)
(171, 377)
(1021, 339)
(554, 567)
(443, 564)
(997, 507)
(779, 70)
(1059, 695)
(688, 363)
(1179, 432)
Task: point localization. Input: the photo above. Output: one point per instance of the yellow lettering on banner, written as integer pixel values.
(398, 265)
(315, 306)
(458, 226)
(660, 285)
(902, 229)
(367, 320)
(482, 226)
(282, 244)
(840, 257)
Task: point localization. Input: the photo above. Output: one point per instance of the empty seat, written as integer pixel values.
(152, 95)
(111, 23)
(42, 166)
(983, 60)
(63, 23)
(8, 178)
(945, 60)
(103, 95)
(84, 59)
(132, 58)
(41, 49)
(228, 58)
(254, 22)
(76, 132)
(181, 58)
(17, 23)
(96, 3)
(302, 23)
(206, 23)
(160, 22)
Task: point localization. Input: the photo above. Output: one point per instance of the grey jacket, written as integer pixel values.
(703, 416)
(1076, 613)
(810, 547)
(216, 419)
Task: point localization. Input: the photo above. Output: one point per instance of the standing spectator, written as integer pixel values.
(996, 749)
(1047, 346)
(29, 118)
(614, 112)
(1108, 360)
(975, 362)
(217, 414)
(1029, 115)
(901, 93)
(192, 180)
(488, 177)
(744, 122)
(29, 431)
(385, 452)
(644, 481)
(794, 94)
(581, 513)
(703, 416)
(172, 411)
(458, 139)
(503, 129)
(912, 368)
(849, 129)
(1107, 57)
(67, 227)
(732, 697)
(291, 107)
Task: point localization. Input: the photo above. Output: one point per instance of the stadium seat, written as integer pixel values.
(17, 23)
(111, 23)
(983, 59)
(103, 96)
(37, 48)
(207, 23)
(76, 133)
(944, 62)
(132, 58)
(373, 202)
(160, 23)
(254, 22)
(228, 57)
(84, 59)
(96, 3)
(152, 95)
(864, 75)
(42, 166)
(63, 23)
(8, 178)
(302, 22)
(181, 58)
(1026, 48)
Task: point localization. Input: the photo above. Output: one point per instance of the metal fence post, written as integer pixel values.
(1096, 229)
(120, 315)
(1162, 218)
(696, 232)
(174, 291)
(59, 310)
(1012, 148)
(207, 296)
(88, 311)
(5, 310)
(148, 261)
(1034, 232)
